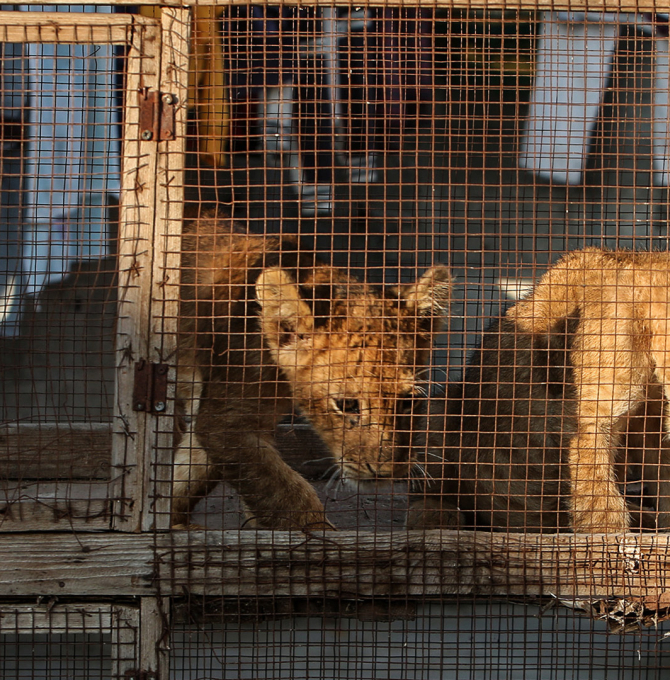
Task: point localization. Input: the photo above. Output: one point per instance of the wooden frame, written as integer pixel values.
(107, 472)
(48, 493)
(135, 267)
(136, 631)
(577, 5)
(141, 559)
(337, 565)
(168, 218)
(123, 456)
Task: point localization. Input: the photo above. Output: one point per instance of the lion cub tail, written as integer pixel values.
(559, 293)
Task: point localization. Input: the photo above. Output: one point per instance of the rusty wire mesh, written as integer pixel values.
(205, 369)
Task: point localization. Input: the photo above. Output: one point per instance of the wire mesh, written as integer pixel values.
(67, 641)
(340, 364)
(390, 141)
(63, 97)
(483, 640)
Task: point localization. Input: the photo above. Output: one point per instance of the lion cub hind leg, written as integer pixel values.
(606, 389)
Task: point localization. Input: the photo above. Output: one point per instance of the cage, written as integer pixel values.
(284, 390)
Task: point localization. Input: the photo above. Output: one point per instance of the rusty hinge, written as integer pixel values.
(140, 675)
(150, 388)
(156, 115)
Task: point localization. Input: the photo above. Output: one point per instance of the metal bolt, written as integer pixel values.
(139, 406)
(159, 406)
(168, 99)
(147, 135)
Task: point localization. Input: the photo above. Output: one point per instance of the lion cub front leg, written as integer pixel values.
(596, 503)
(275, 496)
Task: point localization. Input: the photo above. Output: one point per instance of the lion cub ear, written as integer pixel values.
(284, 314)
(430, 295)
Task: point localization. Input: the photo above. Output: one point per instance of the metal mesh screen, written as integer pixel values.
(337, 337)
(497, 641)
(65, 641)
(386, 142)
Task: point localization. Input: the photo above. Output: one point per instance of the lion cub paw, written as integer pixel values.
(189, 526)
(432, 512)
(306, 522)
(601, 522)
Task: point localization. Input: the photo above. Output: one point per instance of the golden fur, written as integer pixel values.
(621, 345)
(265, 329)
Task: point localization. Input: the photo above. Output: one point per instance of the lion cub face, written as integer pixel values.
(353, 371)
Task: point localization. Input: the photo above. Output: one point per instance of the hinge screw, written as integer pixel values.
(147, 135)
(159, 406)
(168, 99)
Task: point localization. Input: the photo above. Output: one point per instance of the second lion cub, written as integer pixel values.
(621, 301)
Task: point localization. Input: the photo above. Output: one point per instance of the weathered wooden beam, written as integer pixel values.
(135, 265)
(29, 619)
(341, 565)
(39, 509)
(417, 564)
(577, 5)
(55, 451)
(153, 642)
(168, 216)
(76, 564)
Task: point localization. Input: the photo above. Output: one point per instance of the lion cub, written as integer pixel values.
(621, 345)
(265, 328)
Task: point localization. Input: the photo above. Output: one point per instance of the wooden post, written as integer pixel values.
(136, 234)
(155, 637)
(157, 483)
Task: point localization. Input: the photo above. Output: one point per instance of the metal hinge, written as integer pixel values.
(156, 115)
(150, 388)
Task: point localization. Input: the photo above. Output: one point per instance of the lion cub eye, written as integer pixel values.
(349, 407)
